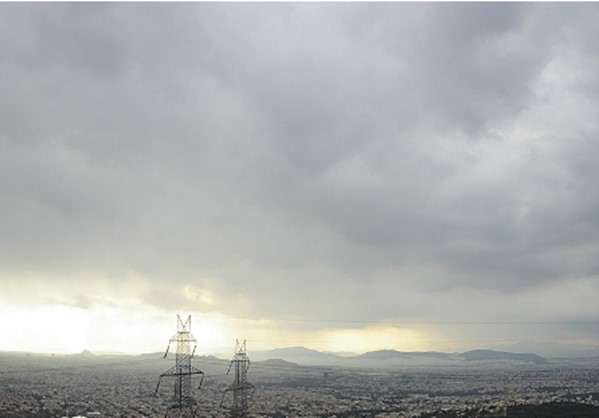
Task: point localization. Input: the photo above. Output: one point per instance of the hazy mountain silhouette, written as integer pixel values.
(305, 356)
(302, 355)
(487, 355)
(294, 354)
(394, 354)
(277, 362)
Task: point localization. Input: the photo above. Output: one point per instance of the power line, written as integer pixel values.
(415, 322)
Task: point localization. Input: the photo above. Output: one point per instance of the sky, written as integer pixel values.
(345, 177)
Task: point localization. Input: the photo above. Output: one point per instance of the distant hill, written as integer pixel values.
(276, 362)
(394, 354)
(151, 355)
(306, 356)
(552, 349)
(491, 355)
(301, 355)
(300, 352)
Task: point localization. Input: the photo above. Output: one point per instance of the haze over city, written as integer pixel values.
(344, 177)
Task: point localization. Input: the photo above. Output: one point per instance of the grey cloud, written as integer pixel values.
(288, 150)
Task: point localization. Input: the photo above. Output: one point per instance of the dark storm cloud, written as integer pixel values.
(306, 158)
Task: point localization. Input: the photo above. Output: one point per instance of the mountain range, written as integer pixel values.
(302, 356)
(308, 356)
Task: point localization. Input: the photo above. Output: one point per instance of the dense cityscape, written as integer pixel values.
(55, 386)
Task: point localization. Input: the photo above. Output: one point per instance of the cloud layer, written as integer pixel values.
(327, 161)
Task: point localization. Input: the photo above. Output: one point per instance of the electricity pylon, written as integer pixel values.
(240, 387)
(183, 405)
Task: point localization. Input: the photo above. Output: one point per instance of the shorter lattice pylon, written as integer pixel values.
(240, 387)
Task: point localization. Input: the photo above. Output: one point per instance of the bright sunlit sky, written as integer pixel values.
(346, 177)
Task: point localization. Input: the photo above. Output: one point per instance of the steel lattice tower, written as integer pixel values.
(183, 405)
(240, 387)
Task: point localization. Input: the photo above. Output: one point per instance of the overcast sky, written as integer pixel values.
(299, 174)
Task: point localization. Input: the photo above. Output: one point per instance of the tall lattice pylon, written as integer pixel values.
(240, 387)
(183, 405)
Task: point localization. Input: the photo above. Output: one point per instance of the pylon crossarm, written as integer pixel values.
(195, 370)
(170, 372)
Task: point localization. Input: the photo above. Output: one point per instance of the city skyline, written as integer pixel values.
(344, 177)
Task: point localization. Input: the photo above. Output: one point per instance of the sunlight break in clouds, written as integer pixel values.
(67, 329)
(290, 172)
(360, 340)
